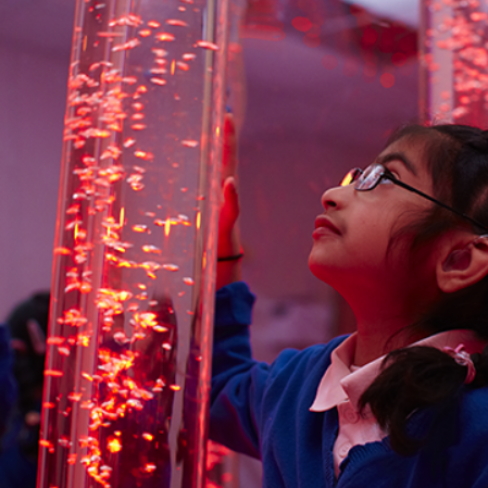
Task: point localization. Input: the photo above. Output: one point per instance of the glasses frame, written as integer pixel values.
(354, 176)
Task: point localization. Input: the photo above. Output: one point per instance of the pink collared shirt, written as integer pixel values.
(343, 384)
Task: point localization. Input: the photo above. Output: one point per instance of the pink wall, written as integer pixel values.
(32, 98)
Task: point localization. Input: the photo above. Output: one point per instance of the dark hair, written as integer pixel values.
(456, 157)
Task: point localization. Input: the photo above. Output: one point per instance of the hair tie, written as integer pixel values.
(463, 358)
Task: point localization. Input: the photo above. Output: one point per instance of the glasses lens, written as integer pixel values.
(351, 177)
(370, 177)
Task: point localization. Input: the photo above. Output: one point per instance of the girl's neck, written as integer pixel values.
(381, 335)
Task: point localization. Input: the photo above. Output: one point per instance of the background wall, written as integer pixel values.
(32, 98)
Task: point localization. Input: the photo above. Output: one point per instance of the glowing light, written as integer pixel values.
(207, 45)
(55, 341)
(189, 143)
(140, 228)
(179, 23)
(158, 81)
(183, 66)
(63, 251)
(302, 24)
(164, 36)
(129, 142)
(114, 445)
(387, 80)
(151, 249)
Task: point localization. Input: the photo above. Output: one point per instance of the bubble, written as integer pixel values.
(189, 143)
(207, 45)
(158, 81)
(64, 351)
(183, 66)
(164, 37)
(129, 142)
(113, 444)
(53, 372)
(151, 249)
(138, 126)
(140, 228)
(177, 22)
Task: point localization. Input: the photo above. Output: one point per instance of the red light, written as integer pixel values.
(301, 24)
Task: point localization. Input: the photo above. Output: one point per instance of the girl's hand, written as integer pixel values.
(229, 241)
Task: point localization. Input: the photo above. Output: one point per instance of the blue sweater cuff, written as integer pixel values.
(233, 305)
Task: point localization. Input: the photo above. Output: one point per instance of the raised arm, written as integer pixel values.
(229, 246)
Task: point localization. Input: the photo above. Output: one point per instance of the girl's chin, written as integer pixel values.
(322, 271)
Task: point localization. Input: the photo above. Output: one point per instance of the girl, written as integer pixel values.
(403, 401)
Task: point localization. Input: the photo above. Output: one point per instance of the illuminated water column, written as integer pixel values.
(454, 62)
(127, 369)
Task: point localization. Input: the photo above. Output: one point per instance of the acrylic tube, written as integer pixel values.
(127, 371)
(454, 62)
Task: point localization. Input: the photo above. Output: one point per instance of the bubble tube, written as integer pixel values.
(127, 371)
(454, 62)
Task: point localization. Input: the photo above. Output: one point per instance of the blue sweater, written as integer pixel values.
(263, 410)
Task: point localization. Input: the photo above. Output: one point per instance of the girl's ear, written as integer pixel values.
(462, 264)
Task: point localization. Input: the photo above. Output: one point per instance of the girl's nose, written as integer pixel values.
(333, 197)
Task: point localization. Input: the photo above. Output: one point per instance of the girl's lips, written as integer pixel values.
(324, 226)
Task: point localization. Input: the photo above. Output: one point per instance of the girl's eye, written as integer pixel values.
(388, 172)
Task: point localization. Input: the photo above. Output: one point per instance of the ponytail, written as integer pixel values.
(413, 378)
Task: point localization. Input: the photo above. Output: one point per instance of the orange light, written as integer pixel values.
(114, 445)
(122, 216)
(52, 372)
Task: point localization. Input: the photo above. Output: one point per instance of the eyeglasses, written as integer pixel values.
(369, 178)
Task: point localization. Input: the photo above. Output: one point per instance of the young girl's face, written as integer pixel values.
(351, 240)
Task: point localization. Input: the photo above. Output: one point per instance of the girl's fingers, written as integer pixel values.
(229, 211)
(229, 150)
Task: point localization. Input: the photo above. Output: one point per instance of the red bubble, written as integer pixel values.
(399, 59)
(301, 24)
(387, 80)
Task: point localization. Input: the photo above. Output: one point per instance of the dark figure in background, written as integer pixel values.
(28, 329)
(7, 385)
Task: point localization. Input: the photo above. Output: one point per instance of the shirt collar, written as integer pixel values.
(340, 384)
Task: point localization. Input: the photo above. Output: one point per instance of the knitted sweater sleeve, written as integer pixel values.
(238, 381)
